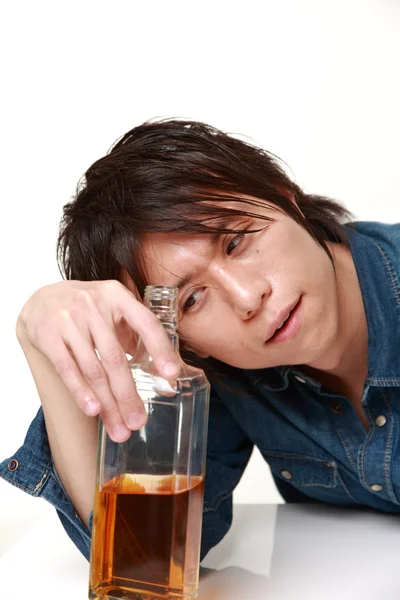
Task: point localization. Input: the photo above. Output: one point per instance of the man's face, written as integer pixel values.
(236, 291)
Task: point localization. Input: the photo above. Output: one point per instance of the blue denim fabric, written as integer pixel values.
(312, 439)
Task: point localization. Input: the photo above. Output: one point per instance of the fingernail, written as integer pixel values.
(136, 420)
(120, 432)
(92, 408)
(170, 369)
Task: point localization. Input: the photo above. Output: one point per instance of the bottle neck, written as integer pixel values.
(170, 330)
(163, 303)
(141, 354)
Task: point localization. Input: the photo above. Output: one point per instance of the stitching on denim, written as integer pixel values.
(222, 495)
(351, 460)
(55, 475)
(39, 485)
(326, 464)
(16, 484)
(386, 462)
(212, 506)
(323, 485)
(382, 380)
(28, 490)
(364, 446)
(332, 475)
(390, 270)
(362, 463)
(304, 457)
(346, 489)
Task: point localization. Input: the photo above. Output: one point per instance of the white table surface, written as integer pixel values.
(283, 552)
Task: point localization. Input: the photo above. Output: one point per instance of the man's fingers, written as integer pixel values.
(73, 380)
(153, 335)
(90, 353)
(116, 367)
(96, 379)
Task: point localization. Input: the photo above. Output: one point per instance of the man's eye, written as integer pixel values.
(191, 300)
(233, 243)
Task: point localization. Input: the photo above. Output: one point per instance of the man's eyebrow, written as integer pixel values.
(213, 238)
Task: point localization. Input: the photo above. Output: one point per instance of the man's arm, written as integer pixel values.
(228, 453)
(72, 435)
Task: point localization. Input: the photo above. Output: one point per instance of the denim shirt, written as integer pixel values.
(312, 439)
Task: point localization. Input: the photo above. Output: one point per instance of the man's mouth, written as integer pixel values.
(288, 324)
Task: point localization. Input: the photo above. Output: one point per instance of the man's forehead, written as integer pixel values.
(176, 257)
(171, 242)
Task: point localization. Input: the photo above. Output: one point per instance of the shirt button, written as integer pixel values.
(286, 474)
(376, 487)
(300, 379)
(13, 465)
(381, 421)
(338, 408)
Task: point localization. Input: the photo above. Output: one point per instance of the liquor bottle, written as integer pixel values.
(148, 506)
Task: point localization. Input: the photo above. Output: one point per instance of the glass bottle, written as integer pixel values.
(149, 490)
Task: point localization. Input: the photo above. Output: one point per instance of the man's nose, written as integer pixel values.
(246, 292)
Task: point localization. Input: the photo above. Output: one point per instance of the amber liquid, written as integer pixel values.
(146, 538)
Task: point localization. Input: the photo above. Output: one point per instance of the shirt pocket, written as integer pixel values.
(302, 471)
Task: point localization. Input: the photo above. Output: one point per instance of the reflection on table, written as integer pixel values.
(283, 552)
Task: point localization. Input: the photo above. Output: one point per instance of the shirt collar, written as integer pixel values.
(375, 264)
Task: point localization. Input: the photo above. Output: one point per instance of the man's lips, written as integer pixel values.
(283, 320)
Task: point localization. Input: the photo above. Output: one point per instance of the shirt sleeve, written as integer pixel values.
(31, 469)
(228, 451)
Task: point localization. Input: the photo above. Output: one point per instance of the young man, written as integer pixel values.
(294, 315)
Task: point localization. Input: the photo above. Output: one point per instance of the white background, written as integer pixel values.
(316, 83)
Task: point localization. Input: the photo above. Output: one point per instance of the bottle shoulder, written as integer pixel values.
(190, 378)
(188, 371)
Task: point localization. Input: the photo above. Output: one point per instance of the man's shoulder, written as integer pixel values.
(386, 236)
(387, 232)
